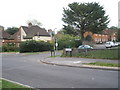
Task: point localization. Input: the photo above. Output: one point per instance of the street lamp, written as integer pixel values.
(55, 41)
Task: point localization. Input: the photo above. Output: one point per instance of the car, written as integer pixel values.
(85, 47)
(110, 44)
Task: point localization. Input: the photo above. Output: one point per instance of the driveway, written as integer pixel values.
(28, 70)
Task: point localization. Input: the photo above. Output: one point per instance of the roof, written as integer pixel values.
(5, 35)
(35, 31)
(14, 35)
(109, 31)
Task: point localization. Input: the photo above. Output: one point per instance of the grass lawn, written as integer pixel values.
(100, 54)
(104, 64)
(0, 84)
(6, 84)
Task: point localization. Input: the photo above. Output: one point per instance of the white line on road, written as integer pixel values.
(17, 83)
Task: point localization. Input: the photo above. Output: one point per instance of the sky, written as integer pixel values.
(16, 13)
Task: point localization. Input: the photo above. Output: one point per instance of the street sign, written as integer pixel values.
(56, 44)
(68, 49)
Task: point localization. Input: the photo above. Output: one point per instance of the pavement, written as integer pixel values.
(79, 62)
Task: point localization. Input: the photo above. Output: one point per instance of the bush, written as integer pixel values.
(9, 48)
(68, 41)
(35, 46)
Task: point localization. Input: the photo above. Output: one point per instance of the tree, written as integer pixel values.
(34, 22)
(82, 17)
(88, 38)
(12, 30)
(113, 28)
(68, 41)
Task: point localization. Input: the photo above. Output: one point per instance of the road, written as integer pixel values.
(99, 46)
(28, 70)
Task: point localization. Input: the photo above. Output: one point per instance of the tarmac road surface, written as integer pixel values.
(28, 70)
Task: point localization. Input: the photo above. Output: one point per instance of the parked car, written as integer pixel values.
(110, 44)
(85, 47)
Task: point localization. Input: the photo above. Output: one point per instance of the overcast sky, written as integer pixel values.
(48, 12)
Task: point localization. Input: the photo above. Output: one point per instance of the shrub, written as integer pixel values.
(35, 46)
(9, 48)
(68, 41)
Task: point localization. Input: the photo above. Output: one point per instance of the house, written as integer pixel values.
(31, 32)
(112, 34)
(97, 38)
(5, 37)
(100, 38)
(106, 35)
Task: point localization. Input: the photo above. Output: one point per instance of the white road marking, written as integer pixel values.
(17, 83)
(77, 62)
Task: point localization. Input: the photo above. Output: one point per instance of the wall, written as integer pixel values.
(23, 34)
(100, 38)
(43, 38)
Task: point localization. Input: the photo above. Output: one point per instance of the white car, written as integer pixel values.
(110, 44)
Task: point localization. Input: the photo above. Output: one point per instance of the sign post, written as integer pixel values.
(68, 51)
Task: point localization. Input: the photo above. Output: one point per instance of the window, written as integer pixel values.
(38, 37)
(19, 37)
(3, 40)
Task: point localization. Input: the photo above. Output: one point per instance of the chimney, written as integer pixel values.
(29, 24)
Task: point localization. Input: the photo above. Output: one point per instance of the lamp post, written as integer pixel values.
(55, 42)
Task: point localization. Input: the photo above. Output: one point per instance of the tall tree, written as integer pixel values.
(12, 30)
(82, 17)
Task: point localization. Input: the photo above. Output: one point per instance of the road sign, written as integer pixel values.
(68, 49)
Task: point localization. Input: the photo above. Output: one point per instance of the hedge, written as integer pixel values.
(9, 48)
(35, 46)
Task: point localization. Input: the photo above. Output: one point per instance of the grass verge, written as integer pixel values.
(0, 84)
(100, 54)
(7, 84)
(104, 64)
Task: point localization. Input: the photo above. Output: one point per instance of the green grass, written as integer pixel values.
(104, 64)
(100, 54)
(6, 84)
(0, 84)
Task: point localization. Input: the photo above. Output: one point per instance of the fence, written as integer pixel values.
(75, 51)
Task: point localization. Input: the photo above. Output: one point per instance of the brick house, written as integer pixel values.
(97, 38)
(100, 38)
(107, 35)
(112, 34)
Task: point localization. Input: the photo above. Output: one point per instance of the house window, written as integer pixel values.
(38, 37)
(18, 37)
(3, 40)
